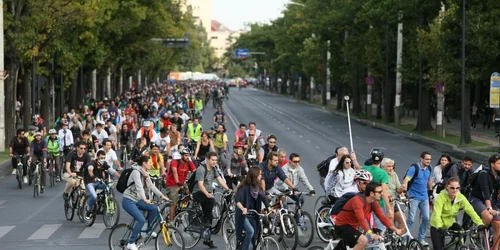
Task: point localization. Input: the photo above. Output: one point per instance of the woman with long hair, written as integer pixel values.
(342, 178)
(249, 195)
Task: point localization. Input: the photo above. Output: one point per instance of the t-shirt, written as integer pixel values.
(240, 135)
(269, 176)
(161, 141)
(110, 156)
(219, 117)
(219, 140)
(98, 171)
(380, 176)
(208, 181)
(182, 172)
(419, 186)
(19, 148)
(100, 136)
(77, 162)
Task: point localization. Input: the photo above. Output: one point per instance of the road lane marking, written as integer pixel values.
(308, 141)
(317, 147)
(294, 132)
(92, 232)
(231, 116)
(369, 142)
(44, 232)
(300, 136)
(357, 137)
(5, 229)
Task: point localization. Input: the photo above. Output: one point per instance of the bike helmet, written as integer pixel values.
(185, 151)
(363, 175)
(238, 145)
(37, 134)
(377, 154)
(153, 145)
(146, 123)
(52, 131)
(33, 128)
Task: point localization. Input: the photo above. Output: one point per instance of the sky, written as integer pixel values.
(235, 13)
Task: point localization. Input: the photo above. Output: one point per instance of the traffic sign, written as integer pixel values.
(241, 52)
(440, 87)
(495, 90)
(369, 80)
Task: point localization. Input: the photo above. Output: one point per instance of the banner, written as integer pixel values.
(495, 90)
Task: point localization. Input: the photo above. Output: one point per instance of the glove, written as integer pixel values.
(481, 228)
(312, 192)
(295, 190)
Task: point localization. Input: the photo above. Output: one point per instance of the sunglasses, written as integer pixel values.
(454, 188)
(378, 192)
(347, 162)
(251, 135)
(365, 182)
(296, 161)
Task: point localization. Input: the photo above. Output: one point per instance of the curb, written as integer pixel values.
(5, 168)
(453, 150)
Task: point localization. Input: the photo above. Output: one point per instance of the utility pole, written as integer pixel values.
(2, 78)
(462, 123)
(399, 76)
(328, 73)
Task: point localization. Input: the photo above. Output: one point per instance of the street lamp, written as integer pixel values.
(462, 123)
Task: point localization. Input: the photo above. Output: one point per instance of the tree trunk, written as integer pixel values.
(10, 100)
(45, 100)
(467, 113)
(26, 76)
(426, 111)
(73, 100)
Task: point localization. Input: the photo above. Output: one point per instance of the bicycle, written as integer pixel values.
(20, 169)
(458, 238)
(105, 204)
(227, 203)
(159, 183)
(74, 201)
(124, 156)
(36, 178)
(283, 224)
(264, 241)
(166, 234)
(323, 215)
(52, 170)
(305, 228)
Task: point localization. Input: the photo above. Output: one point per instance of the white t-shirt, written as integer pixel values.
(110, 156)
(345, 179)
(112, 131)
(184, 117)
(162, 142)
(100, 136)
(333, 164)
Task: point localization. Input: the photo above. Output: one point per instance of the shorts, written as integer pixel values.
(173, 194)
(479, 206)
(348, 233)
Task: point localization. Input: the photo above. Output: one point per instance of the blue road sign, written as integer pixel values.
(241, 52)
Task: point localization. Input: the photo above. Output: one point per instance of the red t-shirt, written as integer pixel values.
(182, 172)
(285, 161)
(354, 214)
(166, 122)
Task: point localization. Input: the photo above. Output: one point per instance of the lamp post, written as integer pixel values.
(462, 123)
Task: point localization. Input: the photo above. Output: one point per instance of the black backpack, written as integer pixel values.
(340, 203)
(121, 186)
(323, 166)
(191, 181)
(417, 169)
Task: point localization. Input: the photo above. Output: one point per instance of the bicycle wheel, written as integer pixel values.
(30, 175)
(216, 214)
(80, 206)
(169, 238)
(111, 214)
(305, 229)
(316, 248)
(88, 221)
(183, 221)
(69, 210)
(323, 215)
(119, 236)
(268, 243)
(20, 178)
(52, 174)
(36, 185)
(288, 232)
(415, 245)
(231, 243)
(228, 227)
(320, 202)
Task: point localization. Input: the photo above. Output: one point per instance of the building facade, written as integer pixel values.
(202, 11)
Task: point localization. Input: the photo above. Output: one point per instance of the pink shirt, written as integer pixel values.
(240, 135)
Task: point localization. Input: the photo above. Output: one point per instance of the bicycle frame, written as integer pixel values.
(151, 228)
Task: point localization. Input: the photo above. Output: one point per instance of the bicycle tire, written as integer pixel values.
(83, 212)
(266, 241)
(216, 214)
(69, 210)
(322, 214)
(172, 233)
(123, 241)
(30, 176)
(415, 245)
(20, 178)
(316, 248)
(36, 185)
(114, 211)
(52, 174)
(306, 229)
(288, 235)
(231, 243)
(320, 202)
(80, 206)
(182, 221)
(228, 227)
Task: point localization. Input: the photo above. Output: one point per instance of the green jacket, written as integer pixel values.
(445, 212)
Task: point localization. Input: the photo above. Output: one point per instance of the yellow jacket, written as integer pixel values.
(445, 211)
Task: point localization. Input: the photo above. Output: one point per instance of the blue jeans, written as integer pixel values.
(424, 210)
(91, 187)
(134, 209)
(378, 223)
(249, 226)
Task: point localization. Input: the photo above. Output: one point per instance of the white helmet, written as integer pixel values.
(52, 131)
(363, 175)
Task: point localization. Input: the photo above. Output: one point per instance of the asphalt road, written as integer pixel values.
(310, 131)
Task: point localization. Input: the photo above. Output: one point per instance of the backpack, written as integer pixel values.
(191, 181)
(323, 166)
(447, 168)
(121, 186)
(417, 169)
(340, 203)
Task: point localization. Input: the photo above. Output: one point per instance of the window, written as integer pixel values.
(215, 38)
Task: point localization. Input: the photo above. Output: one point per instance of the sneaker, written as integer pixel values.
(424, 243)
(14, 171)
(25, 179)
(58, 179)
(132, 246)
(209, 244)
(88, 215)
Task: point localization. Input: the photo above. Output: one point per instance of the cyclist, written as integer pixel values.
(220, 142)
(198, 106)
(147, 131)
(194, 131)
(100, 134)
(163, 141)
(295, 173)
(157, 166)
(253, 148)
(134, 198)
(176, 177)
(139, 149)
(354, 214)
(111, 157)
(88, 140)
(342, 178)
(75, 161)
(219, 117)
(270, 146)
(96, 169)
(19, 145)
(202, 192)
(482, 193)
(30, 135)
(270, 172)
(38, 151)
(446, 207)
(54, 151)
(236, 165)
(66, 141)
